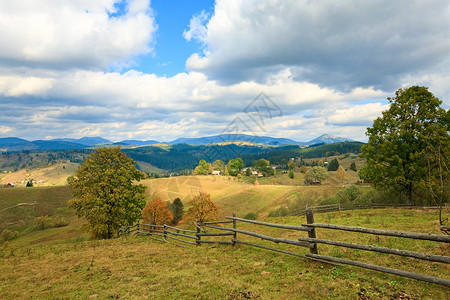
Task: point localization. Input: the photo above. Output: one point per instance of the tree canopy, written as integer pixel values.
(234, 166)
(105, 191)
(156, 212)
(403, 139)
(333, 165)
(202, 209)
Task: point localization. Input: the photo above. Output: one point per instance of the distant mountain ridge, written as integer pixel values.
(18, 144)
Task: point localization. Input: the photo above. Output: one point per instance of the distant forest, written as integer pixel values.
(177, 158)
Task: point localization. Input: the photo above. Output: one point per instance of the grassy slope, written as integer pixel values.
(53, 175)
(138, 267)
(230, 195)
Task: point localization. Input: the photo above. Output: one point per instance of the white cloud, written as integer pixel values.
(357, 115)
(343, 44)
(63, 34)
(197, 29)
(97, 103)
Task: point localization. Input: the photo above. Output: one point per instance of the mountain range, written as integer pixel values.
(17, 144)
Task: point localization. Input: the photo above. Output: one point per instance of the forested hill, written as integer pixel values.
(181, 156)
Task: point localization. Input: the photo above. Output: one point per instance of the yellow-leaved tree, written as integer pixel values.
(202, 209)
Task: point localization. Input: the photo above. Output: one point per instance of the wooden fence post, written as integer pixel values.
(137, 231)
(165, 232)
(339, 206)
(235, 233)
(311, 233)
(197, 234)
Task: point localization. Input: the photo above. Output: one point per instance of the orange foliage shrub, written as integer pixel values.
(156, 212)
(202, 209)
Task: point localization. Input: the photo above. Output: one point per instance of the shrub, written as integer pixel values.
(44, 222)
(250, 216)
(282, 211)
(8, 235)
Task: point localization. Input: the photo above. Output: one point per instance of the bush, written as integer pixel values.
(279, 212)
(251, 216)
(8, 235)
(44, 222)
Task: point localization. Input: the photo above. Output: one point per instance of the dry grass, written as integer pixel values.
(138, 267)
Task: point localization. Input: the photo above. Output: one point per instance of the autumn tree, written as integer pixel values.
(303, 169)
(106, 193)
(401, 142)
(202, 209)
(340, 173)
(156, 212)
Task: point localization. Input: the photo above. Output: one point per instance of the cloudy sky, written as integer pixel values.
(136, 69)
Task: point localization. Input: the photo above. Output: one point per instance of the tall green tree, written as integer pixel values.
(234, 166)
(177, 209)
(203, 168)
(401, 140)
(333, 165)
(106, 193)
(263, 166)
(219, 165)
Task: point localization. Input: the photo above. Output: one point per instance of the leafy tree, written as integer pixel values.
(291, 174)
(203, 168)
(234, 166)
(303, 169)
(202, 209)
(353, 166)
(263, 166)
(219, 165)
(291, 165)
(319, 173)
(106, 193)
(401, 139)
(156, 212)
(333, 165)
(248, 172)
(340, 173)
(177, 209)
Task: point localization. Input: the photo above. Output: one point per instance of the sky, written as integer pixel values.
(160, 70)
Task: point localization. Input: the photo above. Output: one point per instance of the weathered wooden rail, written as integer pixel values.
(197, 237)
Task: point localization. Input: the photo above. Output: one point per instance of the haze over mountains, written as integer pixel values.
(18, 144)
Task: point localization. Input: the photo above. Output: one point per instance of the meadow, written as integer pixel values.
(64, 262)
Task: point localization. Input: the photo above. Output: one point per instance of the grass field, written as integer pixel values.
(138, 267)
(230, 195)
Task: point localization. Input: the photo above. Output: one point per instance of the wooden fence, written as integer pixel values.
(341, 207)
(191, 237)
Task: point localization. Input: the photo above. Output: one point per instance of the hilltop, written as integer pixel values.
(18, 144)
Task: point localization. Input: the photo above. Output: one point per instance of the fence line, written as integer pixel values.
(340, 207)
(311, 242)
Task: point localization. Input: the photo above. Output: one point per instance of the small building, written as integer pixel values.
(260, 174)
(216, 172)
(312, 182)
(9, 185)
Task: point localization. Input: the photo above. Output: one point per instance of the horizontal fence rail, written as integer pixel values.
(411, 235)
(165, 233)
